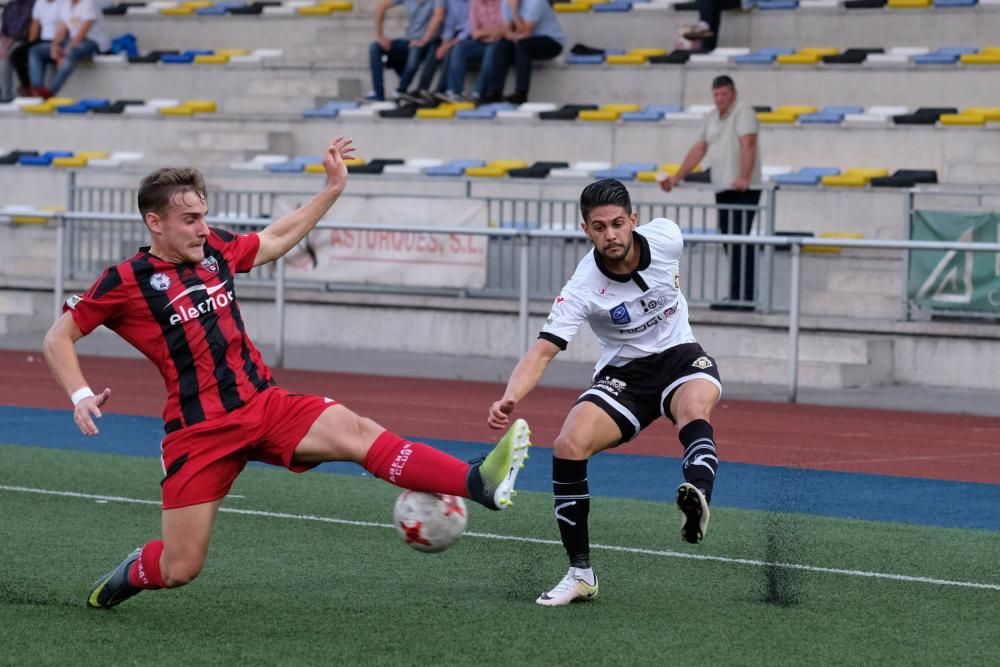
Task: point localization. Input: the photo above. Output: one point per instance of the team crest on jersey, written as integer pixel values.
(210, 264)
(702, 363)
(619, 314)
(160, 281)
(73, 300)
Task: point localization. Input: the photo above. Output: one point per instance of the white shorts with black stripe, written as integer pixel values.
(635, 394)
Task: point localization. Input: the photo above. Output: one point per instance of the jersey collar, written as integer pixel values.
(644, 259)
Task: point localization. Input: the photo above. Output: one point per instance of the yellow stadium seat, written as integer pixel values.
(495, 169)
(179, 110)
(857, 177)
(600, 115)
(339, 5)
(819, 50)
(622, 107)
(38, 108)
(459, 106)
(214, 59)
(233, 52)
(354, 162)
(649, 52)
(989, 114)
(571, 7)
(963, 118)
(909, 4)
(441, 112)
(984, 57)
(183, 10)
(200, 106)
(317, 168)
(798, 59)
(92, 155)
(647, 176)
(69, 162)
(626, 59)
(315, 10)
(831, 235)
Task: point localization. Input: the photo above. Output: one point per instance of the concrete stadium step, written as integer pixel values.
(773, 344)
(885, 282)
(316, 69)
(810, 374)
(893, 148)
(834, 27)
(852, 305)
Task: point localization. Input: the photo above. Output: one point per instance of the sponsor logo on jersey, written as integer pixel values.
(702, 363)
(619, 314)
(210, 264)
(218, 297)
(73, 300)
(650, 323)
(653, 304)
(613, 386)
(160, 282)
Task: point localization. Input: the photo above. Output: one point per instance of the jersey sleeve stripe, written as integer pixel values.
(555, 340)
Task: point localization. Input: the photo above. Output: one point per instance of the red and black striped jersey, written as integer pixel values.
(185, 319)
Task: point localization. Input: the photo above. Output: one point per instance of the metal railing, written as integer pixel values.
(525, 238)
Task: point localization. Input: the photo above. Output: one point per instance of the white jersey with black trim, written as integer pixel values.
(633, 316)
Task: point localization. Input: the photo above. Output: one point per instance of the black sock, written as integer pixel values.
(701, 460)
(572, 506)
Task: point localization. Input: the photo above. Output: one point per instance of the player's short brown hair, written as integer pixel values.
(604, 193)
(158, 188)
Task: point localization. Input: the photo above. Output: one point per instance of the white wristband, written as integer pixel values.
(81, 394)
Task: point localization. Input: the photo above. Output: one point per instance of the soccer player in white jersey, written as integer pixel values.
(628, 291)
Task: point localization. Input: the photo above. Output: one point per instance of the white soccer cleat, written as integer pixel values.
(574, 586)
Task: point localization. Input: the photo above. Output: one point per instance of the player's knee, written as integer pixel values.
(568, 447)
(689, 412)
(181, 573)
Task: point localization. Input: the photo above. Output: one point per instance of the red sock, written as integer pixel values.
(145, 572)
(416, 466)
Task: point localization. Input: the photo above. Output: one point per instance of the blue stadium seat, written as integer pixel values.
(762, 56)
(948, 55)
(806, 176)
(296, 164)
(776, 4)
(625, 171)
(43, 160)
(831, 114)
(615, 6)
(651, 112)
(485, 112)
(955, 3)
(594, 59)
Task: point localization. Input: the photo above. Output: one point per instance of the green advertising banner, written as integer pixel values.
(955, 280)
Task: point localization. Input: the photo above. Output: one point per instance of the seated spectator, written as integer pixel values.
(706, 32)
(14, 29)
(533, 34)
(455, 31)
(486, 26)
(406, 55)
(79, 36)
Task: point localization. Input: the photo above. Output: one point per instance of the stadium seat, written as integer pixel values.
(413, 166)
(454, 168)
(675, 57)
(855, 177)
(116, 159)
(944, 56)
(897, 56)
(537, 170)
(691, 113)
(295, 165)
(830, 114)
(923, 116)
(851, 56)
(585, 59)
(785, 114)
(259, 162)
(719, 56)
(809, 55)
(484, 112)
(398, 112)
(625, 171)
(766, 5)
(567, 112)
(367, 110)
(805, 176)
(314, 167)
(579, 169)
(607, 112)
(118, 106)
(876, 115)
(447, 110)
(527, 111)
(955, 3)
(650, 113)
(909, 4)
(768, 172)
(83, 106)
(43, 159)
(614, 6)
(971, 116)
(762, 56)
(375, 166)
(905, 178)
(987, 56)
(14, 157)
(496, 168)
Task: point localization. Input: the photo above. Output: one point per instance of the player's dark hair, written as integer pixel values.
(158, 188)
(723, 81)
(607, 192)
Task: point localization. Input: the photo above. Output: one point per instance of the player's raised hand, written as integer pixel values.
(340, 149)
(89, 409)
(500, 413)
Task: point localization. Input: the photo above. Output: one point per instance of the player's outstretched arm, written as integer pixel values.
(60, 353)
(523, 379)
(285, 233)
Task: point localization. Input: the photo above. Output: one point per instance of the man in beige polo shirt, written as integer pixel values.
(729, 140)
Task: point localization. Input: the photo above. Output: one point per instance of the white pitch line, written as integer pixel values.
(538, 540)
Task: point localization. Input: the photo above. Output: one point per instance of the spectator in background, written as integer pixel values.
(406, 55)
(14, 28)
(486, 27)
(533, 34)
(454, 32)
(729, 140)
(80, 35)
(710, 20)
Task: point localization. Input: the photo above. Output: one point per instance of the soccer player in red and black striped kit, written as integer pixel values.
(175, 301)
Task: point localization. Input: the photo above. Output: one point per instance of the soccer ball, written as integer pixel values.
(429, 522)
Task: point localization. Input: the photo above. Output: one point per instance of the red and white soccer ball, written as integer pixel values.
(429, 522)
